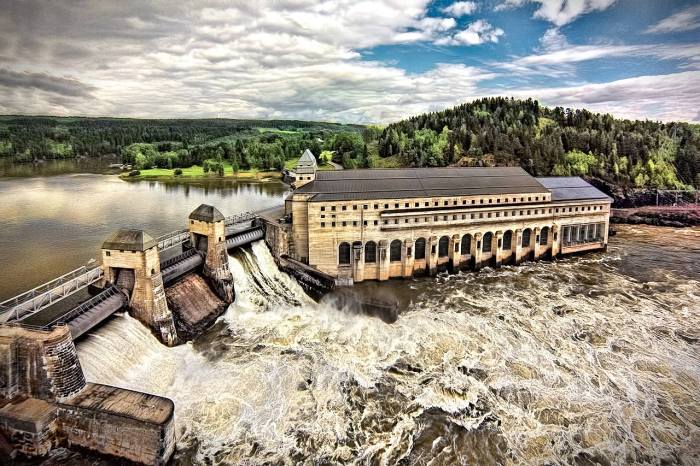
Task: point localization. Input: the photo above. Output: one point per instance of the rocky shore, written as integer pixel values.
(666, 216)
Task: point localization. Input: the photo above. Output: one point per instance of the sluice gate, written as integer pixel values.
(135, 272)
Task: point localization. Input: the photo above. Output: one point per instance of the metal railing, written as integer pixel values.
(174, 238)
(239, 218)
(174, 260)
(83, 307)
(50, 292)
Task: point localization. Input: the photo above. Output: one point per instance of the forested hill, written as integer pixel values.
(28, 138)
(545, 141)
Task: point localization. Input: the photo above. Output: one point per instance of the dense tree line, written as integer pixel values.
(501, 131)
(30, 138)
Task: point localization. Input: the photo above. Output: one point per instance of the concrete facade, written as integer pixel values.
(207, 227)
(381, 238)
(45, 402)
(147, 300)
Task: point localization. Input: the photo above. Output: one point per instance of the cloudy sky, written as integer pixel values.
(346, 60)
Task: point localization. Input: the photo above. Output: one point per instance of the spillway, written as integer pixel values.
(577, 361)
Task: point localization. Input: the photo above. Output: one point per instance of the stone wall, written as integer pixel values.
(38, 363)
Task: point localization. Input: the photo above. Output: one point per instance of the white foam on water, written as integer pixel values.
(290, 380)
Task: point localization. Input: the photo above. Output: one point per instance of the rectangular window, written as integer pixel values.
(498, 201)
(498, 214)
(473, 201)
(345, 224)
(406, 204)
(354, 223)
(464, 202)
(521, 212)
(385, 222)
(481, 215)
(345, 207)
(481, 201)
(490, 201)
(472, 216)
(454, 217)
(323, 208)
(435, 218)
(376, 222)
(376, 206)
(446, 202)
(333, 224)
(365, 207)
(364, 222)
(427, 204)
(444, 218)
(454, 202)
(489, 214)
(333, 208)
(505, 214)
(464, 216)
(396, 205)
(323, 224)
(386, 206)
(396, 222)
(417, 204)
(323, 216)
(405, 220)
(354, 207)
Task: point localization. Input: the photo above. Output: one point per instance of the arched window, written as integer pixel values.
(395, 251)
(526, 238)
(371, 252)
(466, 244)
(507, 240)
(544, 236)
(443, 246)
(420, 248)
(486, 243)
(344, 253)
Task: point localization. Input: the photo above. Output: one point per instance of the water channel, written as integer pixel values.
(587, 360)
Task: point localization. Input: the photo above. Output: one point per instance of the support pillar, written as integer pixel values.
(131, 261)
(208, 230)
(432, 255)
(476, 250)
(358, 262)
(455, 254)
(536, 246)
(518, 237)
(383, 258)
(497, 247)
(408, 257)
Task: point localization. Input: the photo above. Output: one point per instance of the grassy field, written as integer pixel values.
(196, 171)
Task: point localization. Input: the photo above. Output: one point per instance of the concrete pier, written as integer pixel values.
(45, 403)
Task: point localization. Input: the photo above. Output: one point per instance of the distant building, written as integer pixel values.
(306, 169)
(377, 224)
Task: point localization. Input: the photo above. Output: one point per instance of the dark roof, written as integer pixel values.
(307, 163)
(206, 213)
(419, 182)
(571, 188)
(129, 240)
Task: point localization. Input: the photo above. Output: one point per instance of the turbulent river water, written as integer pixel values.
(586, 360)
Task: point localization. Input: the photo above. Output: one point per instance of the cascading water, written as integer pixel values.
(582, 360)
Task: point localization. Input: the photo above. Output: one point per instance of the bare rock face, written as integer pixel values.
(194, 304)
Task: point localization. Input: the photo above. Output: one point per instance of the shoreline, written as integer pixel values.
(665, 216)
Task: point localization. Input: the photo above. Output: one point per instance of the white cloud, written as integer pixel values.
(287, 59)
(559, 12)
(458, 9)
(478, 32)
(671, 97)
(685, 20)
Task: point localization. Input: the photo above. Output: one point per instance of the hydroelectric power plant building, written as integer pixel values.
(377, 224)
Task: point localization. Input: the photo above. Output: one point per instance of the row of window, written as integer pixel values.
(443, 246)
(583, 233)
(454, 202)
(472, 216)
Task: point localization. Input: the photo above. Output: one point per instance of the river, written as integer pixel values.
(587, 360)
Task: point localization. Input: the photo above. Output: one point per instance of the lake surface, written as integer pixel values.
(587, 360)
(51, 225)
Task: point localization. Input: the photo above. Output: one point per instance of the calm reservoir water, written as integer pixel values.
(586, 360)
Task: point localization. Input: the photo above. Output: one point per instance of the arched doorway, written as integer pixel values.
(344, 254)
(507, 246)
(395, 251)
(420, 248)
(370, 252)
(443, 246)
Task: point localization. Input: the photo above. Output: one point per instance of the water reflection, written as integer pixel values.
(51, 225)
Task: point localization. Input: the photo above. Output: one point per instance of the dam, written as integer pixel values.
(177, 285)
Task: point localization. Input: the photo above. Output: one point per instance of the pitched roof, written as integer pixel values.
(129, 240)
(419, 182)
(206, 213)
(306, 163)
(571, 188)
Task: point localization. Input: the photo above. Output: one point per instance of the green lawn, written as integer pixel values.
(197, 171)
